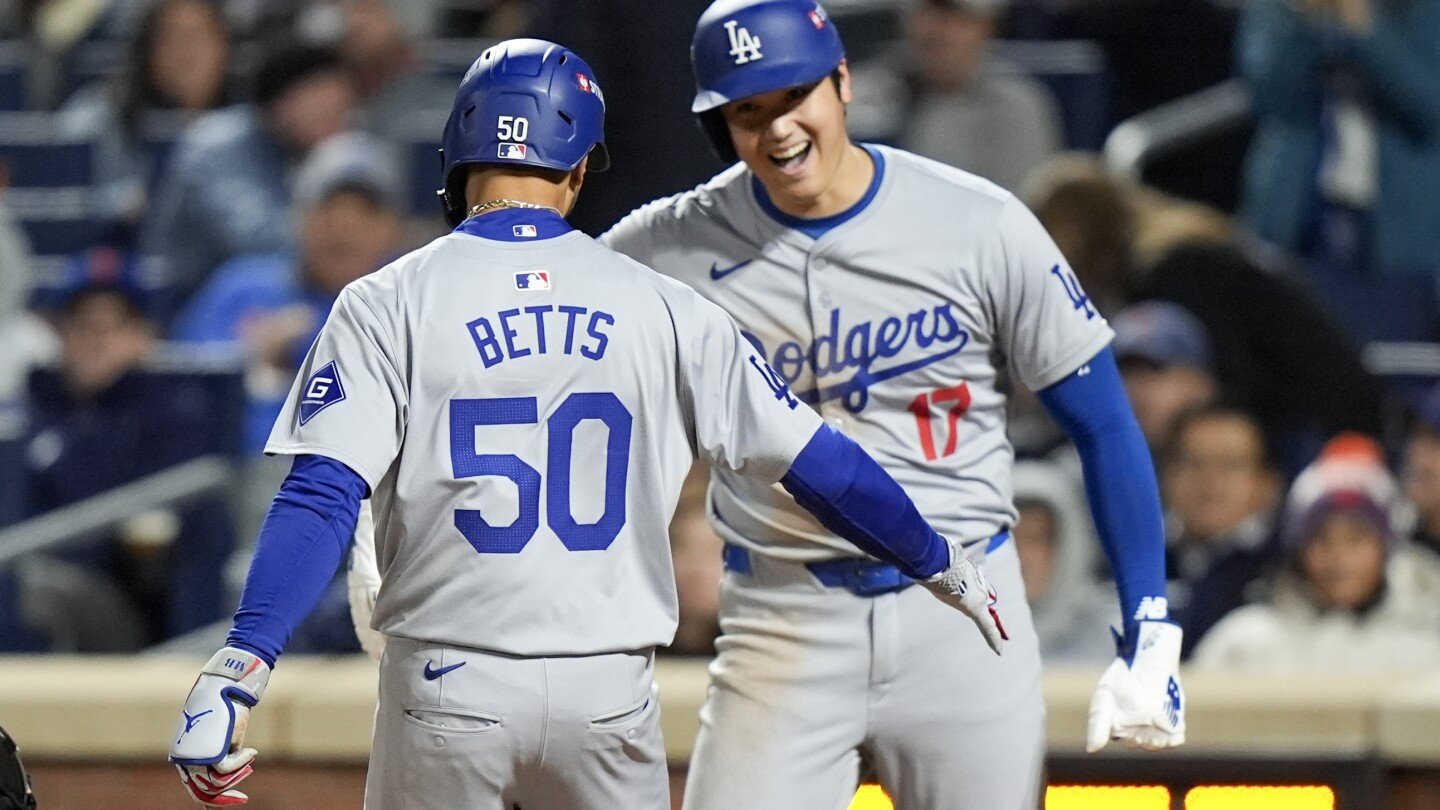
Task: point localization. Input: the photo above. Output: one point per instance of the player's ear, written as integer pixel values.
(842, 82)
(573, 181)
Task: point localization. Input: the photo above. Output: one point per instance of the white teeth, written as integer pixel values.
(786, 154)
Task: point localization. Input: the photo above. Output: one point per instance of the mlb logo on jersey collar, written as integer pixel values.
(524, 231)
(532, 279)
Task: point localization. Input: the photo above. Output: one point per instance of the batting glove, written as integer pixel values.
(963, 586)
(1139, 700)
(363, 582)
(212, 725)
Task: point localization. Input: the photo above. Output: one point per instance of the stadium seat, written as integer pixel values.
(13, 76)
(48, 174)
(423, 159)
(1074, 71)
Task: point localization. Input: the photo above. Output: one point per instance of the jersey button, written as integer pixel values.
(825, 299)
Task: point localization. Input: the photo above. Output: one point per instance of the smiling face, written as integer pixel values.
(1344, 561)
(794, 140)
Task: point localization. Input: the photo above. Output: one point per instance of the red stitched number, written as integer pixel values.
(920, 406)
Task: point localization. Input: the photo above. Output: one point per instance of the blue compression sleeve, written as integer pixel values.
(851, 495)
(301, 546)
(1092, 408)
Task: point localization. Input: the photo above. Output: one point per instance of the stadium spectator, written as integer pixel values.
(1422, 471)
(98, 421)
(1346, 157)
(1165, 361)
(1056, 544)
(394, 93)
(1222, 493)
(944, 95)
(1268, 333)
(1353, 600)
(175, 72)
(349, 196)
(226, 190)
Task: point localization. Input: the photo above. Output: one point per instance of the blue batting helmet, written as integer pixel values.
(748, 47)
(524, 102)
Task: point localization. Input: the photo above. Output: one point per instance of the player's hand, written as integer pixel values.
(363, 582)
(963, 586)
(1139, 701)
(207, 738)
(362, 607)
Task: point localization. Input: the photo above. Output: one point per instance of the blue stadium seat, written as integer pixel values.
(1074, 71)
(37, 155)
(12, 464)
(220, 378)
(423, 159)
(13, 76)
(49, 176)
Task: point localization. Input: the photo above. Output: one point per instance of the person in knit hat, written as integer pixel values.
(1353, 599)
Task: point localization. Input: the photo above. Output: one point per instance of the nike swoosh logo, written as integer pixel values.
(432, 674)
(716, 273)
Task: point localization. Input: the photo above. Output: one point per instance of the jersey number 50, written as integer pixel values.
(467, 414)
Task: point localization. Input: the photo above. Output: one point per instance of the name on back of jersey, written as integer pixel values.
(511, 334)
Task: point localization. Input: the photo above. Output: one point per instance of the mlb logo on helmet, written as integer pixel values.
(524, 231)
(512, 151)
(532, 279)
(817, 16)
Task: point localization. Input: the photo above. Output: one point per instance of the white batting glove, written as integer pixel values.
(1139, 700)
(963, 586)
(363, 582)
(212, 725)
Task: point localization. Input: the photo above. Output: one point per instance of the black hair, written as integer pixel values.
(287, 64)
(138, 91)
(1215, 411)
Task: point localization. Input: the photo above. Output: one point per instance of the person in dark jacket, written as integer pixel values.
(1222, 494)
(1346, 155)
(98, 421)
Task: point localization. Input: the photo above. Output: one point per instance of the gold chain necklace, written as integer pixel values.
(491, 205)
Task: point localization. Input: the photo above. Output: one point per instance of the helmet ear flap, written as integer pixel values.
(712, 124)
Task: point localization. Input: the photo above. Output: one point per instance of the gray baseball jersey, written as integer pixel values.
(524, 413)
(894, 325)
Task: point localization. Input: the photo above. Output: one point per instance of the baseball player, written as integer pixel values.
(521, 405)
(890, 292)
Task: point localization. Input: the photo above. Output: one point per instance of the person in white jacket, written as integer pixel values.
(1354, 600)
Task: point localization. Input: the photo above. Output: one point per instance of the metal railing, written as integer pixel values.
(1178, 124)
(80, 521)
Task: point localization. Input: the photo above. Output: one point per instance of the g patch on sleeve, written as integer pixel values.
(322, 390)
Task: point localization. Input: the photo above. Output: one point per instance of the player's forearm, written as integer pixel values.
(1095, 413)
(851, 495)
(301, 546)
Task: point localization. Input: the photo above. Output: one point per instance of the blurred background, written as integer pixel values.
(1248, 189)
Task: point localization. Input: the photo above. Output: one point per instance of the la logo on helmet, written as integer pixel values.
(743, 47)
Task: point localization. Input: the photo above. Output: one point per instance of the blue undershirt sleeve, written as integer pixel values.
(302, 544)
(851, 495)
(1094, 411)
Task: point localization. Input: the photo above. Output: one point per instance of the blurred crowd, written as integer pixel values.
(246, 159)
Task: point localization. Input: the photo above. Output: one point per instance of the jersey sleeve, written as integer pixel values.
(1046, 323)
(348, 401)
(746, 418)
(634, 235)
